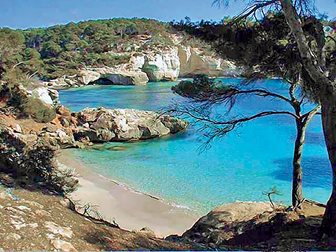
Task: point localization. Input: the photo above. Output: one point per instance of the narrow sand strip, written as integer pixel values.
(130, 209)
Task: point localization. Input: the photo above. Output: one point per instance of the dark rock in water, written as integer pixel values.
(98, 147)
(116, 148)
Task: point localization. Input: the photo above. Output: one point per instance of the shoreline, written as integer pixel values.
(129, 208)
(60, 88)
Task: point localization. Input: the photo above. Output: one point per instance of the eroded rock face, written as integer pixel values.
(103, 125)
(42, 94)
(193, 62)
(162, 66)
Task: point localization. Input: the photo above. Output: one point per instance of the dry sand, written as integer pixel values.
(130, 209)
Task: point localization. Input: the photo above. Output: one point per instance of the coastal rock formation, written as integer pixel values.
(127, 78)
(115, 76)
(166, 64)
(162, 66)
(193, 61)
(226, 214)
(46, 95)
(257, 226)
(102, 125)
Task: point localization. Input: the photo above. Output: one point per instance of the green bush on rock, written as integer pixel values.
(30, 159)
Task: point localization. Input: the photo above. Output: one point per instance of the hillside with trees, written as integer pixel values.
(49, 53)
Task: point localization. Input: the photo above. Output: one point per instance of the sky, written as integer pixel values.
(24, 14)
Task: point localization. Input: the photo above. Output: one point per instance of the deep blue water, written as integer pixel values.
(240, 166)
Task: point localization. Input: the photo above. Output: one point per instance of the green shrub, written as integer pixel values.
(200, 87)
(38, 110)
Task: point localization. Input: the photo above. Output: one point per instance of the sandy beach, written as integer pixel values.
(130, 209)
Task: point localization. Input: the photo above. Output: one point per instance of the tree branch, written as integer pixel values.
(329, 37)
(230, 122)
(309, 115)
(252, 9)
(264, 93)
(212, 97)
(220, 128)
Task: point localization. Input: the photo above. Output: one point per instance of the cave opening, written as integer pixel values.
(103, 81)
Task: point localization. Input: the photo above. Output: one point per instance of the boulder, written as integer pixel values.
(223, 223)
(54, 95)
(63, 111)
(61, 245)
(94, 135)
(42, 94)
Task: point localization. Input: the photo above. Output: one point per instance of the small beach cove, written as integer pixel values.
(239, 167)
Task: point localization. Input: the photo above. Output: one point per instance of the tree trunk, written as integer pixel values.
(328, 226)
(327, 95)
(297, 196)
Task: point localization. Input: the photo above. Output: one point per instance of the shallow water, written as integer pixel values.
(240, 166)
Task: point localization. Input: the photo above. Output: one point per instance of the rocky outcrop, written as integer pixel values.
(115, 76)
(64, 129)
(164, 66)
(218, 227)
(257, 226)
(103, 125)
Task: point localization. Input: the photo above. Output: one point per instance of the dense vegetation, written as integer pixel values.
(267, 45)
(52, 52)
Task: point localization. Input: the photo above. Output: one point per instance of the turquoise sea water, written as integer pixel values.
(240, 166)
